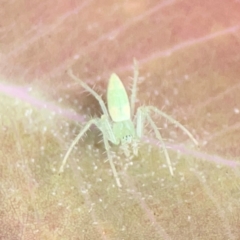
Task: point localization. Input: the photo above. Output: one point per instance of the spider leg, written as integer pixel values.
(104, 126)
(96, 95)
(109, 155)
(108, 135)
(173, 121)
(75, 141)
(134, 88)
(143, 114)
(159, 137)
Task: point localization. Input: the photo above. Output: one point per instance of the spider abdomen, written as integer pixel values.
(117, 100)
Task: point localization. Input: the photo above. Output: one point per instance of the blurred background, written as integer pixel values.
(188, 54)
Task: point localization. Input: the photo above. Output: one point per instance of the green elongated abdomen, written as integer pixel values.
(117, 100)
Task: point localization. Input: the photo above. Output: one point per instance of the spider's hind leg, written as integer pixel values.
(90, 90)
(134, 88)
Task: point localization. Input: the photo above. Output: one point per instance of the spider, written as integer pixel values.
(119, 124)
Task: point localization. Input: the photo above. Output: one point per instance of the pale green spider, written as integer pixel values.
(118, 124)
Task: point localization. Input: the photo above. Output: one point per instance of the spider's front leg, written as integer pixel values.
(143, 114)
(75, 141)
(105, 127)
